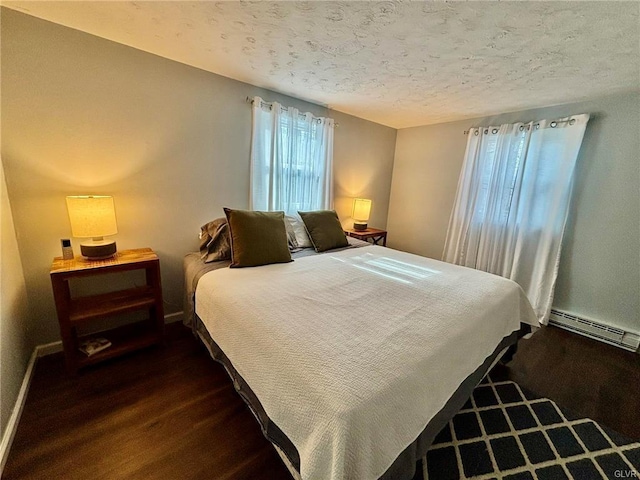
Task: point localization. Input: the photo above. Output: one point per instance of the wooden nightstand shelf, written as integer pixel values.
(75, 311)
(373, 234)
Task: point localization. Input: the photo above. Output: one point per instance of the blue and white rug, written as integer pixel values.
(506, 432)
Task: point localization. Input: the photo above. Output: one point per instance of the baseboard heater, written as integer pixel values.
(589, 328)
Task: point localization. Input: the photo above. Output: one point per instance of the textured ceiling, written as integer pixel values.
(399, 64)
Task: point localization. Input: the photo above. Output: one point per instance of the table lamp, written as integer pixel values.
(94, 217)
(361, 212)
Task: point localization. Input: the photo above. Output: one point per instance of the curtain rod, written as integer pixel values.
(552, 124)
(250, 101)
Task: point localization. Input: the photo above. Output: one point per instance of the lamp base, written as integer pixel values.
(359, 226)
(98, 250)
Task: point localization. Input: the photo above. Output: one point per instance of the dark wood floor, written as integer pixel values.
(591, 378)
(172, 413)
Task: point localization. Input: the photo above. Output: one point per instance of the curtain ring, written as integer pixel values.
(572, 121)
(537, 126)
(554, 124)
(494, 131)
(476, 133)
(486, 131)
(521, 128)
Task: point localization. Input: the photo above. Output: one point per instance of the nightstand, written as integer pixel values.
(76, 311)
(376, 236)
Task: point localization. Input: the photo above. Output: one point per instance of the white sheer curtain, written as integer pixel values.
(291, 159)
(512, 203)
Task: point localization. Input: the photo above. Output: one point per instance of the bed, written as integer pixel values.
(354, 359)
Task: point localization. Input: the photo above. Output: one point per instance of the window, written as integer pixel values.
(512, 203)
(291, 159)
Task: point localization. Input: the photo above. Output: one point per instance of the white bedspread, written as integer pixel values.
(351, 354)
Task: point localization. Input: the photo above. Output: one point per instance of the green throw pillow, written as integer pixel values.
(324, 229)
(257, 238)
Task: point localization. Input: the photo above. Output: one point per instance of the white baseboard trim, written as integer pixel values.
(55, 347)
(174, 317)
(48, 349)
(12, 424)
(38, 352)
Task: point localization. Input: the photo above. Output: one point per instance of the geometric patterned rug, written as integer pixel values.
(506, 432)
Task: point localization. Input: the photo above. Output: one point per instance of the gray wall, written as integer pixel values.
(15, 347)
(599, 275)
(363, 153)
(81, 114)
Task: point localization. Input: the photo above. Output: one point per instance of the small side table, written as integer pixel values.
(375, 235)
(74, 311)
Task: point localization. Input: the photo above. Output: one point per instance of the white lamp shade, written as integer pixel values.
(361, 209)
(92, 216)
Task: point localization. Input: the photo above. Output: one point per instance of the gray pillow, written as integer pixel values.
(291, 235)
(214, 241)
(300, 236)
(257, 238)
(325, 230)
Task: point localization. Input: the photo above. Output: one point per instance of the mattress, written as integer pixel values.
(354, 358)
